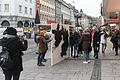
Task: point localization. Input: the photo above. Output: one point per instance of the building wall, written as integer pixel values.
(58, 15)
(111, 10)
(72, 16)
(13, 15)
(65, 11)
(47, 11)
(84, 21)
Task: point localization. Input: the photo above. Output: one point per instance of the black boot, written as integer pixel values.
(116, 54)
(41, 64)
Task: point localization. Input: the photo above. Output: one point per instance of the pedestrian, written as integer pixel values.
(103, 40)
(96, 41)
(86, 44)
(76, 39)
(64, 46)
(112, 39)
(47, 37)
(115, 39)
(71, 38)
(80, 45)
(15, 46)
(42, 48)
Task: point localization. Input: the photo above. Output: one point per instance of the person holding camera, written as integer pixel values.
(15, 46)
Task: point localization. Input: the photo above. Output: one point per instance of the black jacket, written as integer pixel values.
(96, 40)
(15, 47)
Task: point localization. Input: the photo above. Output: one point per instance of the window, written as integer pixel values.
(25, 10)
(30, 11)
(20, 9)
(6, 7)
(0, 8)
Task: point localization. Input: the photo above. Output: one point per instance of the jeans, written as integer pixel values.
(86, 55)
(103, 48)
(75, 50)
(16, 75)
(71, 50)
(40, 57)
(96, 51)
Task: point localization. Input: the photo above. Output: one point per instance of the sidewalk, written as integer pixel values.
(66, 70)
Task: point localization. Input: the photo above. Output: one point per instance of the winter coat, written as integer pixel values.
(15, 47)
(42, 48)
(103, 37)
(71, 38)
(86, 41)
(96, 39)
(115, 39)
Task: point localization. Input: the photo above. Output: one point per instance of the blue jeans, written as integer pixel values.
(86, 55)
(75, 50)
(40, 57)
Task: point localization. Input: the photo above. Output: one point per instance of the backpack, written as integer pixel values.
(6, 62)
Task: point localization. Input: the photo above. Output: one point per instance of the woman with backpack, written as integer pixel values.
(15, 46)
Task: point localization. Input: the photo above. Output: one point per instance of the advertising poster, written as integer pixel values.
(60, 43)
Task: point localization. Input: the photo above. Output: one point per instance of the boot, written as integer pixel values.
(41, 64)
(116, 54)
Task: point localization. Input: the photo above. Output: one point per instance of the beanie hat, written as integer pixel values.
(11, 31)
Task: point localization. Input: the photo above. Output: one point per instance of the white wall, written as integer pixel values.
(28, 5)
(11, 8)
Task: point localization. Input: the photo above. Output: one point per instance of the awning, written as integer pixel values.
(113, 20)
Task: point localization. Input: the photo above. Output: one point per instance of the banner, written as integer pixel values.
(38, 6)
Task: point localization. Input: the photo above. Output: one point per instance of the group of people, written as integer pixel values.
(80, 42)
(83, 41)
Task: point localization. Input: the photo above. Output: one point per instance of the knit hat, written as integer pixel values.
(11, 31)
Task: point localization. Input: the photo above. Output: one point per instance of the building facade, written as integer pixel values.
(17, 13)
(47, 11)
(72, 15)
(65, 12)
(58, 11)
(110, 10)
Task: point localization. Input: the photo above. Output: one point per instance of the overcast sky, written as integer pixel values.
(89, 7)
